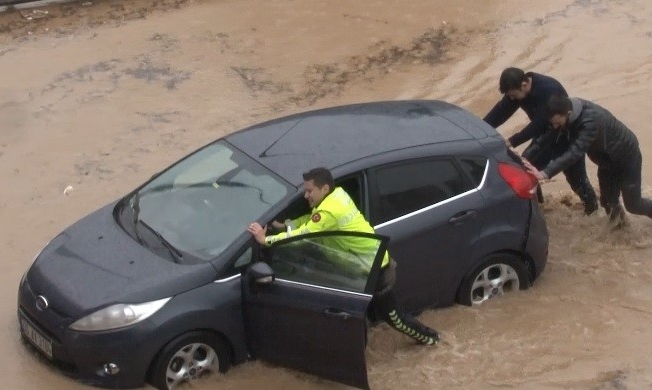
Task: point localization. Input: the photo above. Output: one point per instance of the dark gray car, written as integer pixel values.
(165, 284)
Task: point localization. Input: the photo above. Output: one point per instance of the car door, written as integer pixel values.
(432, 212)
(309, 312)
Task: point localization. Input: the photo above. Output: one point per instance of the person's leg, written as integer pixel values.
(386, 306)
(630, 186)
(388, 309)
(580, 184)
(609, 183)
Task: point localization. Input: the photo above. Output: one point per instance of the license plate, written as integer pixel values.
(34, 337)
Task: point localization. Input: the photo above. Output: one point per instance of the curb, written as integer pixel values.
(31, 4)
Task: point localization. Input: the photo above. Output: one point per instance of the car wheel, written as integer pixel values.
(493, 278)
(187, 358)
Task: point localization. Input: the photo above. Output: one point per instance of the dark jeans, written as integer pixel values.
(386, 307)
(575, 174)
(616, 177)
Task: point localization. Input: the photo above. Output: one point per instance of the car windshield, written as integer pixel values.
(201, 204)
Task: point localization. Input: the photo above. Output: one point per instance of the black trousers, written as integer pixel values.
(622, 177)
(575, 174)
(386, 308)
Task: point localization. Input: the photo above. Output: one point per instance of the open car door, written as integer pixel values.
(305, 307)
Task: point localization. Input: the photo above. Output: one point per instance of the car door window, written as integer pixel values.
(353, 185)
(410, 186)
(339, 260)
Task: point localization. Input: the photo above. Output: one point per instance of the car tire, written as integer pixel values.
(497, 275)
(187, 358)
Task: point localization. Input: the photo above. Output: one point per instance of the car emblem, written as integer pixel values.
(41, 303)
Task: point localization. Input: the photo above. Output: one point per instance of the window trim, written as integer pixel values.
(322, 287)
(458, 160)
(423, 210)
(227, 279)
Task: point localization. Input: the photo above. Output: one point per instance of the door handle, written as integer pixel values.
(463, 216)
(330, 312)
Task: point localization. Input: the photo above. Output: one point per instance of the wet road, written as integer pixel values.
(101, 96)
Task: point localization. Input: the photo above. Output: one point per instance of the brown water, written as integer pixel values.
(100, 97)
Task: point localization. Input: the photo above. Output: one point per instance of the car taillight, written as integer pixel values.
(523, 183)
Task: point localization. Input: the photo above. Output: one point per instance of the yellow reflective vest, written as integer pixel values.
(336, 212)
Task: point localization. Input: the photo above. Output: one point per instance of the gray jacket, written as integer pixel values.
(593, 130)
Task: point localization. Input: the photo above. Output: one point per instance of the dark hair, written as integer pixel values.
(511, 78)
(558, 105)
(320, 176)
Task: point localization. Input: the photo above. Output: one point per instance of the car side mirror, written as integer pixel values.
(261, 273)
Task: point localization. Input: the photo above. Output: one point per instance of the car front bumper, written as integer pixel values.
(118, 358)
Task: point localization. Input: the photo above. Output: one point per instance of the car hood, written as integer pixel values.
(94, 263)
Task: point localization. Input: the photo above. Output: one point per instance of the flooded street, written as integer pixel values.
(103, 95)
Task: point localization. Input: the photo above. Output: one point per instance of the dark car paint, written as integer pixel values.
(314, 329)
(412, 248)
(537, 240)
(373, 124)
(283, 333)
(190, 310)
(107, 266)
(325, 138)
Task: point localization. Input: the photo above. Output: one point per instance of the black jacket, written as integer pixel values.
(534, 105)
(593, 130)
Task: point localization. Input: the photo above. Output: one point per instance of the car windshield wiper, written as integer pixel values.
(174, 252)
(237, 184)
(135, 208)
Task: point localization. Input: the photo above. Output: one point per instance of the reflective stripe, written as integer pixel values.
(399, 325)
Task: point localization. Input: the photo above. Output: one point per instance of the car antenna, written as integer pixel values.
(264, 153)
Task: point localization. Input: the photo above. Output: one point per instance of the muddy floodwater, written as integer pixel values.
(101, 95)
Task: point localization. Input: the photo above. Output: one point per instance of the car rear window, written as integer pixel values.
(411, 186)
(474, 167)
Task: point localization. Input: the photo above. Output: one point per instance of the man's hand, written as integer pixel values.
(540, 175)
(528, 165)
(258, 232)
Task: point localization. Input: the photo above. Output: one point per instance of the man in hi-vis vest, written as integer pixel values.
(334, 210)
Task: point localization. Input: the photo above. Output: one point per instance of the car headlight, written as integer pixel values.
(118, 316)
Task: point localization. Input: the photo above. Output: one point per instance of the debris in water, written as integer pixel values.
(34, 14)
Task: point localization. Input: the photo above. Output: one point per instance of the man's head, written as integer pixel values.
(317, 183)
(559, 110)
(515, 84)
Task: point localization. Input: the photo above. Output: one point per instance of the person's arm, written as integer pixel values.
(587, 134)
(532, 130)
(535, 147)
(501, 112)
(319, 221)
(302, 220)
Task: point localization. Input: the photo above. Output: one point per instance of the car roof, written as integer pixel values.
(333, 137)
